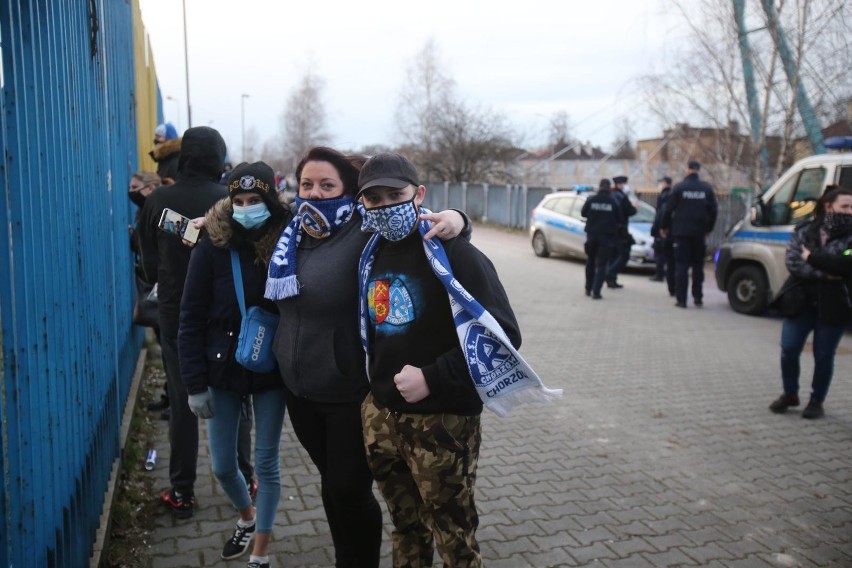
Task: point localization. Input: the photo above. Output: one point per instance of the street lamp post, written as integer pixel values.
(186, 68)
(177, 108)
(243, 98)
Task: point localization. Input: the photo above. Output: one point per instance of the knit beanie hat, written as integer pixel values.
(258, 178)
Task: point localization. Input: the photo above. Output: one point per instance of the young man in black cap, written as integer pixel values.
(689, 218)
(421, 419)
(602, 221)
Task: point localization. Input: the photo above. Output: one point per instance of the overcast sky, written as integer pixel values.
(526, 59)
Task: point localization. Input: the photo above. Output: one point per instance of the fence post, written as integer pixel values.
(484, 202)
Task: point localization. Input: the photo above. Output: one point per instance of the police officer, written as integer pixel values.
(689, 217)
(603, 217)
(623, 240)
(663, 250)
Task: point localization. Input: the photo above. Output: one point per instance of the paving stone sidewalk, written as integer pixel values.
(661, 453)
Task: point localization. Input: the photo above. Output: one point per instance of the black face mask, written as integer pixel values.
(137, 198)
(836, 224)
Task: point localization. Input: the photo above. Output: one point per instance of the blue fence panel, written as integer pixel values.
(66, 287)
(455, 196)
(474, 200)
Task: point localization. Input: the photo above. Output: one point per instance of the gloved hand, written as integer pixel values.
(201, 404)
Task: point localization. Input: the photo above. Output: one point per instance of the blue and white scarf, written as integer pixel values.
(320, 218)
(502, 378)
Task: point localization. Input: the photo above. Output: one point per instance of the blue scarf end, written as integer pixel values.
(281, 288)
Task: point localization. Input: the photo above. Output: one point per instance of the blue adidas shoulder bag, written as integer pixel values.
(257, 331)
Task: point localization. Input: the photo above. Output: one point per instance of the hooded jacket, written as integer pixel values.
(164, 257)
(210, 316)
(167, 156)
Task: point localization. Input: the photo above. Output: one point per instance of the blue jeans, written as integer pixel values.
(222, 430)
(794, 333)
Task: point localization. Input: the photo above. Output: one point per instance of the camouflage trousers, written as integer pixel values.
(425, 467)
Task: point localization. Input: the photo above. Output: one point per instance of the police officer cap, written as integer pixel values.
(666, 179)
(693, 165)
(619, 179)
(604, 184)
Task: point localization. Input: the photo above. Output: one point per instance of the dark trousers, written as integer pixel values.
(332, 435)
(183, 424)
(620, 257)
(689, 254)
(668, 254)
(664, 260)
(794, 333)
(599, 252)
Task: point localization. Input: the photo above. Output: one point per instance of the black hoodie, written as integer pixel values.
(164, 257)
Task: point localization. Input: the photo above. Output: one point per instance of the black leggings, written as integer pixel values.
(331, 434)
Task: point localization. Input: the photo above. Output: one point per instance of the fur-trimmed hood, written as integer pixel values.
(166, 149)
(220, 231)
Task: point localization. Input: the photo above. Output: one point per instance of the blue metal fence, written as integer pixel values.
(68, 144)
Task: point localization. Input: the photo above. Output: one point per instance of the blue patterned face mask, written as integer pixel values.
(251, 216)
(394, 222)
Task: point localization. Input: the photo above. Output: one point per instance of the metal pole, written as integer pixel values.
(177, 108)
(186, 67)
(243, 98)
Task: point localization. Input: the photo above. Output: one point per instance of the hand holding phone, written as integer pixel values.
(173, 222)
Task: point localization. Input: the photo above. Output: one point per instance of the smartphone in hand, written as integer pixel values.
(175, 223)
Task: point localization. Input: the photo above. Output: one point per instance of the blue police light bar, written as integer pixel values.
(581, 188)
(838, 143)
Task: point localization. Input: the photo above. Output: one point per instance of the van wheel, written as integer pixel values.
(748, 290)
(539, 244)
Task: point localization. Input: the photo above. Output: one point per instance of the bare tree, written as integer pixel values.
(559, 131)
(303, 122)
(623, 145)
(448, 139)
(704, 82)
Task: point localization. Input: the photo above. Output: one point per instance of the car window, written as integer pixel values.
(563, 205)
(794, 201)
(644, 213)
(548, 204)
(845, 177)
(576, 211)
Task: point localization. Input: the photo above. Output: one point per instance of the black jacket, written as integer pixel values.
(691, 208)
(603, 214)
(426, 337)
(662, 201)
(210, 316)
(164, 257)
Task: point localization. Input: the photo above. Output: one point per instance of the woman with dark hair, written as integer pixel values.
(242, 230)
(313, 278)
(816, 298)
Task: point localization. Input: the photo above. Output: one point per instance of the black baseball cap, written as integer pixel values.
(693, 165)
(387, 170)
(666, 179)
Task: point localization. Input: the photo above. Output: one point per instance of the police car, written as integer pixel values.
(556, 227)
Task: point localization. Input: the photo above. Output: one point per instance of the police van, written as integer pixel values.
(750, 264)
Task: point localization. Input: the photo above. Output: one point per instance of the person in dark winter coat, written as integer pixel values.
(248, 223)
(689, 217)
(165, 259)
(623, 241)
(313, 277)
(603, 218)
(816, 298)
(663, 246)
(166, 152)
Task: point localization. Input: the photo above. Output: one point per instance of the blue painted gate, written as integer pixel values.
(68, 141)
